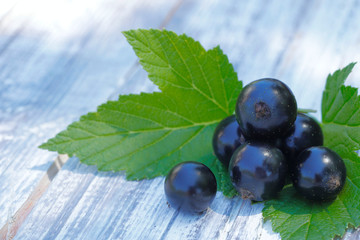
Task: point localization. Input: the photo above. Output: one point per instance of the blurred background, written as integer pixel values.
(61, 59)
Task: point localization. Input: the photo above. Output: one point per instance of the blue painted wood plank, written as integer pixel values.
(57, 62)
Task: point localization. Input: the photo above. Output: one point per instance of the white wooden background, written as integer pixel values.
(60, 59)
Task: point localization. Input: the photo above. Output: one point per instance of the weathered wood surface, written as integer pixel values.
(60, 60)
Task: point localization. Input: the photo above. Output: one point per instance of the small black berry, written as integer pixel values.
(305, 133)
(227, 137)
(265, 108)
(258, 171)
(319, 174)
(190, 186)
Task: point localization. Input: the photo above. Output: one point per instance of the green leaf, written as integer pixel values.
(295, 218)
(147, 134)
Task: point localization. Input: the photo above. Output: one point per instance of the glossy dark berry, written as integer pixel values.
(305, 133)
(258, 171)
(319, 174)
(265, 108)
(190, 186)
(227, 137)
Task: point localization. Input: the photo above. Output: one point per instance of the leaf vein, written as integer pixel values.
(201, 70)
(346, 208)
(223, 83)
(184, 79)
(332, 101)
(342, 105)
(293, 232)
(196, 133)
(136, 116)
(354, 141)
(194, 86)
(352, 114)
(140, 149)
(307, 231)
(106, 148)
(166, 110)
(222, 80)
(166, 61)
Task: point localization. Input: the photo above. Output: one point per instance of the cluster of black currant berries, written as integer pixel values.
(265, 143)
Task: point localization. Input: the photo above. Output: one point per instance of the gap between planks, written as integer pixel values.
(9, 230)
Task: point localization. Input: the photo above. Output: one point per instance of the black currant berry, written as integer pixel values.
(258, 171)
(265, 108)
(319, 174)
(305, 133)
(190, 186)
(227, 137)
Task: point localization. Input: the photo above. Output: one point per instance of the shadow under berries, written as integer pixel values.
(291, 202)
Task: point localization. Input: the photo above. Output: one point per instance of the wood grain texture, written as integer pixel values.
(298, 42)
(9, 230)
(53, 69)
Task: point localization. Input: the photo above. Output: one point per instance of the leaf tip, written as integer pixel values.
(43, 146)
(128, 34)
(349, 67)
(47, 145)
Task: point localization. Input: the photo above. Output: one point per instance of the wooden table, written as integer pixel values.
(61, 59)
